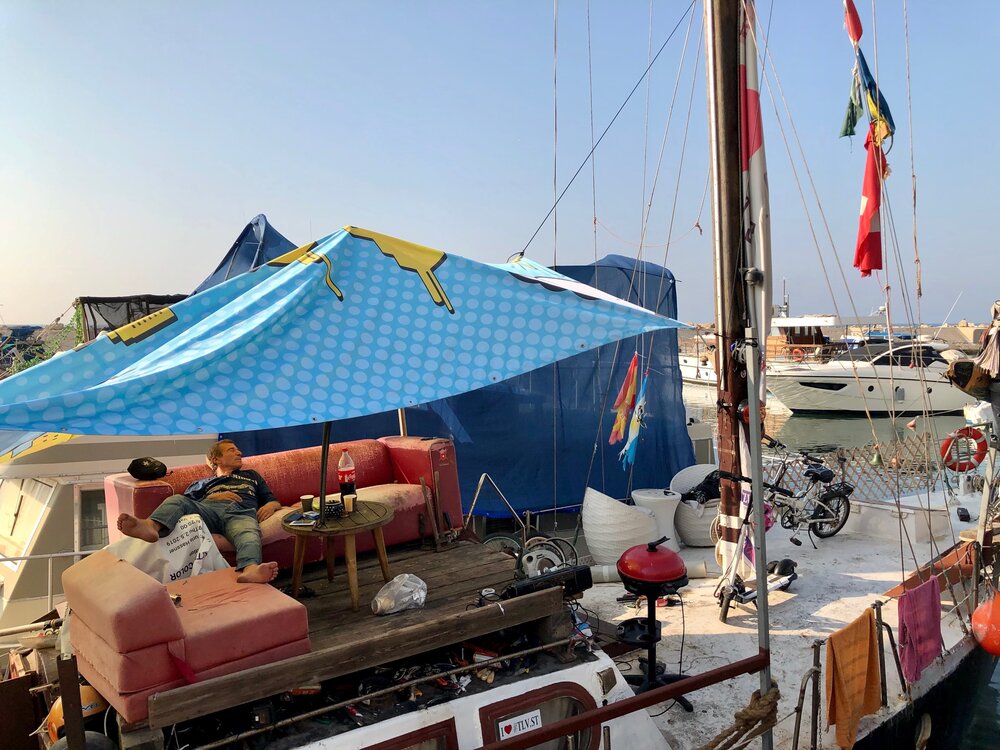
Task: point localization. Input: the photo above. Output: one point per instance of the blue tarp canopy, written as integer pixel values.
(535, 434)
(357, 323)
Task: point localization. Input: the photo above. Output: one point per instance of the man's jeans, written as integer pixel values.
(234, 521)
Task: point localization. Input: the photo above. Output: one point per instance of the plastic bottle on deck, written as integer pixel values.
(346, 474)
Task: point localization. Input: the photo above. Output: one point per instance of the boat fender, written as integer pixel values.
(604, 573)
(951, 460)
(798, 355)
(986, 625)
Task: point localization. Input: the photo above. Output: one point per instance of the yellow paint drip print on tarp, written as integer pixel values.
(305, 255)
(143, 328)
(423, 261)
(40, 443)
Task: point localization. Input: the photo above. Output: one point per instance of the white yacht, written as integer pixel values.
(877, 378)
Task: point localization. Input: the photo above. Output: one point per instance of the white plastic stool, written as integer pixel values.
(663, 503)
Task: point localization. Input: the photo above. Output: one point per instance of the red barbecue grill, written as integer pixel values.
(651, 571)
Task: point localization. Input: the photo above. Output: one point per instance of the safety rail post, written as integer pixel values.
(895, 656)
(814, 729)
(877, 606)
(811, 674)
(977, 565)
(72, 705)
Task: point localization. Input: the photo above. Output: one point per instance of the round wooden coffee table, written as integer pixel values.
(367, 516)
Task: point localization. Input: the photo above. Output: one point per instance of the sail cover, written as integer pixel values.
(356, 323)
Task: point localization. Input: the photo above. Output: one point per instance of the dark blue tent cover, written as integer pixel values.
(538, 458)
(257, 244)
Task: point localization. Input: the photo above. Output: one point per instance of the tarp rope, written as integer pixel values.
(751, 722)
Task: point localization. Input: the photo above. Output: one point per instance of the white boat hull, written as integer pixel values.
(834, 387)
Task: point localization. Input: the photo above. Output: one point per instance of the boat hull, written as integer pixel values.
(947, 700)
(831, 389)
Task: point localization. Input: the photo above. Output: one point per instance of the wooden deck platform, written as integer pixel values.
(345, 641)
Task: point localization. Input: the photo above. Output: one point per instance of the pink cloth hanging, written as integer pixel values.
(919, 628)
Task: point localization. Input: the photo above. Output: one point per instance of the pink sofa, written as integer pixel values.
(132, 641)
(389, 470)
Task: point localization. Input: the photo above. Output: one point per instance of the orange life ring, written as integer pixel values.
(952, 462)
(798, 355)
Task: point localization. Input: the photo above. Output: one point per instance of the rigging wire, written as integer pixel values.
(822, 263)
(597, 270)
(606, 129)
(555, 247)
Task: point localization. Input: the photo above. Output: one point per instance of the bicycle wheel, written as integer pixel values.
(503, 543)
(830, 516)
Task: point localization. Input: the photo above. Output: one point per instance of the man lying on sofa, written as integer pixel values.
(232, 503)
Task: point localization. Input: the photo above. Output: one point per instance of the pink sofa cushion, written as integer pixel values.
(399, 497)
(134, 707)
(128, 608)
(225, 621)
(130, 672)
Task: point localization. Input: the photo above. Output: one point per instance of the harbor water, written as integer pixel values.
(827, 433)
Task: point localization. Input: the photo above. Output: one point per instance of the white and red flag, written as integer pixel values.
(868, 252)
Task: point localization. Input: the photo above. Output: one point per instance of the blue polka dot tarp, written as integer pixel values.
(356, 323)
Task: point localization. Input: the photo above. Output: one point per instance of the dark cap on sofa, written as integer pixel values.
(147, 468)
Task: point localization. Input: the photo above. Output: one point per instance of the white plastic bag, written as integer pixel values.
(405, 591)
(188, 550)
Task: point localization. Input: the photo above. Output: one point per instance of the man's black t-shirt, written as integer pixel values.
(246, 483)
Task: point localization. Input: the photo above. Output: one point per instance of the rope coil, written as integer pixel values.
(751, 722)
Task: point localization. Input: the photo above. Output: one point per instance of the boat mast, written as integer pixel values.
(722, 25)
(735, 322)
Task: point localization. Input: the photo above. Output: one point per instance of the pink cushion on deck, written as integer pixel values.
(399, 497)
(130, 672)
(225, 621)
(107, 593)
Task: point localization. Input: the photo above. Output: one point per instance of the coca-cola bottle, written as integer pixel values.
(346, 474)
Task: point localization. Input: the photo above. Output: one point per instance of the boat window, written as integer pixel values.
(901, 358)
(440, 736)
(823, 386)
(929, 355)
(513, 716)
(93, 524)
(22, 503)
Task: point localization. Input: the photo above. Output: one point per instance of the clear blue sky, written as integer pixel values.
(139, 138)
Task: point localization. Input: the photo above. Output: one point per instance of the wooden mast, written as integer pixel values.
(722, 26)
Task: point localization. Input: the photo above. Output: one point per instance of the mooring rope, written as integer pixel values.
(751, 722)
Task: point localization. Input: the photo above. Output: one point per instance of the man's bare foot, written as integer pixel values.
(139, 528)
(263, 573)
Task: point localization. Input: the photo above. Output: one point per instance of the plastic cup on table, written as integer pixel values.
(307, 502)
(349, 503)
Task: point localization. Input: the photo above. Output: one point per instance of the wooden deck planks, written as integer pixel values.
(345, 641)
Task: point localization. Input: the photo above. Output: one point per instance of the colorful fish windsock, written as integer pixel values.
(635, 425)
(868, 252)
(625, 401)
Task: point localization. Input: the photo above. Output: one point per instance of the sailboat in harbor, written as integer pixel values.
(373, 701)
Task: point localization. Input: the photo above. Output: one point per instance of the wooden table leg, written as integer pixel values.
(351, 558)
(298, 558)
(383, 559)
(331, 558)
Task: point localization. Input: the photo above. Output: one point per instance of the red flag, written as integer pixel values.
(852, 22)
(868, 253)
(625, 401)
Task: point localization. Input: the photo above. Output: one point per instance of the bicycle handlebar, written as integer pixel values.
(771, 442)
(741, 478)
